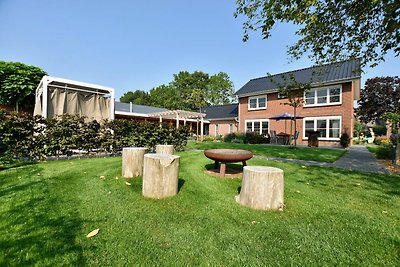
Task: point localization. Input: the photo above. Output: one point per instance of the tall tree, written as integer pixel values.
(187, 91)
(18, 83)
(220, 89)
(379, 96)
(166, 97)
(330, 30)
(192, 88)
(137, 97)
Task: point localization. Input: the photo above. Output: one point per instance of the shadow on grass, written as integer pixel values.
(181, 182)
(387, 184)
(16, 164)
(33, 232)
(229, 166)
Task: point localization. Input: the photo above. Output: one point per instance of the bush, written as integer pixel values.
(345, 140)
(229, 137)
(385, 151)
(381, 141)
(208, 138)
(25, 137)
(379, 130)
(255, 138)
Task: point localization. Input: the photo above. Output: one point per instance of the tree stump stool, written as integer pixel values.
(165, 149)
(262, 188)
(132, 161)
(160, 175)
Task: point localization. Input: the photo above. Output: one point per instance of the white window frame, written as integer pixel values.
(216, 129)
(328, 103)
(260, 121)
(230, 127)
(257, 102)
(327, 118)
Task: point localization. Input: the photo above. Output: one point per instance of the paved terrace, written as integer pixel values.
(357, 158)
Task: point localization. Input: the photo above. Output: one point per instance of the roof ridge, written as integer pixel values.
(312, 67)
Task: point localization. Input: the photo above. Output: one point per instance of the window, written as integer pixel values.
(230, 128)
(329, 128)
(257, 102)
(323, 96)
(216, 129)
(257, 126)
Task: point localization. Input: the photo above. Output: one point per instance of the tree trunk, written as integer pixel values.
(160, 175)
(132, 161)
(165, 149)
(262, 188)
(397, 156)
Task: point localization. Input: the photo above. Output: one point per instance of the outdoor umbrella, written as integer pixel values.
(286, 116)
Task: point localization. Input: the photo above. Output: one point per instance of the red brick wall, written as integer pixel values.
(223, 127)
(276, 106)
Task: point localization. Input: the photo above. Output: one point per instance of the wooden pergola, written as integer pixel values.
(181, 115)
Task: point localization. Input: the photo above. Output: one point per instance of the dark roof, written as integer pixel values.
(125, 107)
(339, 71)
(229, 111)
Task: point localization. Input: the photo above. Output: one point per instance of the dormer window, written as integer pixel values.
(257, 102)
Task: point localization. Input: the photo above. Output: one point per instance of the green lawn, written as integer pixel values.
(303, 153)
(331, 217)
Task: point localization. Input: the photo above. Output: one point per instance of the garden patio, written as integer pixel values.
(331, 216)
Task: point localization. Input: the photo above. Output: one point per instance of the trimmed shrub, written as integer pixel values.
(25, 137)
(379, 130)
(345, 140)
(385, 151)
(229, 137)
(255, 138)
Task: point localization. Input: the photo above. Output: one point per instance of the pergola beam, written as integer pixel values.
(181, 114)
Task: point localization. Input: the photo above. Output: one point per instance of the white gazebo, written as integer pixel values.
(56, 96)
(179, 115)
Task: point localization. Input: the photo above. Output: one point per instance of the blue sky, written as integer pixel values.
(138, 45)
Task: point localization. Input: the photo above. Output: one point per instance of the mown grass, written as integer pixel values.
(303, 153)
(331, 217)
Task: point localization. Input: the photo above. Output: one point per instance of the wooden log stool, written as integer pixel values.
(160, 175)
(262, 188)
(165, 149)
(132, 161)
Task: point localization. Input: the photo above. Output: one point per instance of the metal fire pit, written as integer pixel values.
(224, 156)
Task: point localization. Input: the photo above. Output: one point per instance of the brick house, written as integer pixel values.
(221, 120)
(328, 106)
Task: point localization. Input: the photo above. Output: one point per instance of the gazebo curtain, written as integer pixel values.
(91, 105)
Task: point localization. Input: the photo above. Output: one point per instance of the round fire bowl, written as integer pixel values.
(228, 155)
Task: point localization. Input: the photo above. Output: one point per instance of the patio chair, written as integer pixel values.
(295, 136)
(274, 137)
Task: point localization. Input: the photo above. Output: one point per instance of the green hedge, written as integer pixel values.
(23, 136)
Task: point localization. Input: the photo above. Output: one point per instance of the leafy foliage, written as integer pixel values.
(187, 91)
(393, 119)
(137, 97)
(379, 130)
(379, 96)
(18, 83)
(330, 30)
(246, 138)
(25, 137)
